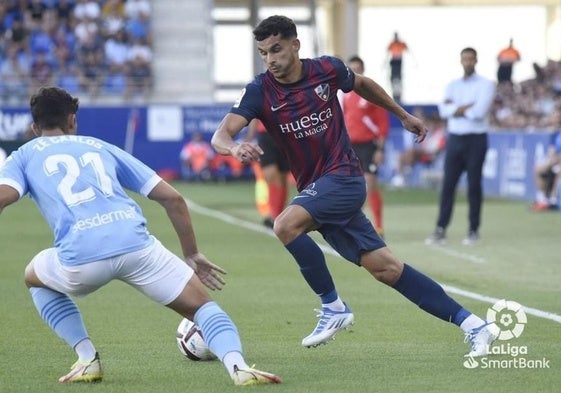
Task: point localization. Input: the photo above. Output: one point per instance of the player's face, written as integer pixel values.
(281, 57)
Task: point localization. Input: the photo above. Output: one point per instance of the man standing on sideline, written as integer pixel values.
(78, 184)
(466, 107)
(367, 125)
(506, 58)
(296, 99)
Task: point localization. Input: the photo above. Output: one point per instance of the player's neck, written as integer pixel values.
(53, 132)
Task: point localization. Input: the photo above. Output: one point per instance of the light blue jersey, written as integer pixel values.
(78, 185)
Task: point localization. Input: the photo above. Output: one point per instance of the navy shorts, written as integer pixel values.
(335, 203)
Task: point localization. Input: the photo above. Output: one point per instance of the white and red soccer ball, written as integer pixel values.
(191, 343)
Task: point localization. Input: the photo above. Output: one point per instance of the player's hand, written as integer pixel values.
(207, 271)
(246, 152)
(416, 126)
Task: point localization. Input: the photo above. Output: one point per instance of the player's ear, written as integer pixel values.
(72, 124)
(296, 44)
(35, 129)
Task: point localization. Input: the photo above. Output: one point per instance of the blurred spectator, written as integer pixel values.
(116, 50)
(64, 42)
(42, 71)
(112, 18)
(196, 157)
(547, 175)
(64, 9)
(226, 167)
(91, 64)
(138, 27)
(91, 74)
(139, 70)
(133, 8)
(68, 78)
(12, 10)
(18, 34)
(113, 7)
(85, 29)
(506, 58)
(116, 57)
(396, 50)
(426, 152)
(91, 46)
(14, 71)
(35, 10)
(87, 9)
(41, 41)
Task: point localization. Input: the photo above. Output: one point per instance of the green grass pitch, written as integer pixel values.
(393, 346)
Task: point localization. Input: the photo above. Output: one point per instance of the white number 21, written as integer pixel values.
(73, 169)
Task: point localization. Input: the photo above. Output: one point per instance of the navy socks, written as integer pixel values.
(313, 267)
(429, 295)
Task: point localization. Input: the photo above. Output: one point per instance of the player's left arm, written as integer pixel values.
(178, 213)
(373, 92)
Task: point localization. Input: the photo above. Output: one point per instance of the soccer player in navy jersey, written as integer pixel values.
(78, 183)
(296, 99)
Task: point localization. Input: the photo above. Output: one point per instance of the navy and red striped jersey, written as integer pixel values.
(305, 118)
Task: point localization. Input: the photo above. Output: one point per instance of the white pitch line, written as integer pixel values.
(458, 254)
(328, 250)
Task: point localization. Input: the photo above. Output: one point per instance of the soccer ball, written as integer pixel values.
(191, 343)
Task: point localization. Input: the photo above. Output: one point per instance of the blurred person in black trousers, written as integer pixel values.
(466, 106)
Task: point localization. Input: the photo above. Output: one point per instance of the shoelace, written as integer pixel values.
(472, 334)
(323, 315)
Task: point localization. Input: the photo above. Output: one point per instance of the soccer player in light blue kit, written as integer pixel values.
(100, 234)
(296, 99)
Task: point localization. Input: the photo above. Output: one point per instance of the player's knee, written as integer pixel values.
(383, 265)
(282, 229)
(30, 278)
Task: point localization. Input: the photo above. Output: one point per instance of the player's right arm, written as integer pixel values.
(8, 195)
(178, 213)
(223, 139)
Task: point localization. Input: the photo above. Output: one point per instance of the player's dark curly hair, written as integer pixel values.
(50, 108)
(273, 25)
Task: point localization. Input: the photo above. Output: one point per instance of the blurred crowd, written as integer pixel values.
(88, 47)
(104, 48)
(534, 104)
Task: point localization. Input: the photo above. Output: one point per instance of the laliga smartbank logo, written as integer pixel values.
(509, 319)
